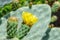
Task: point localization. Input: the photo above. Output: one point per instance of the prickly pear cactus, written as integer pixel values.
(11, 27)
(24, 29)
(28, 20)
(36, 32)
(55, 6)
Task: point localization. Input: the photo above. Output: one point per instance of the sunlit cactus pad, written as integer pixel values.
(37, 31)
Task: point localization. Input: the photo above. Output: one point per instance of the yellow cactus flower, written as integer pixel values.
(29, 18)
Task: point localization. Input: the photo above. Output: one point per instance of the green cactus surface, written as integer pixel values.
(11, 29)
(24, 29)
